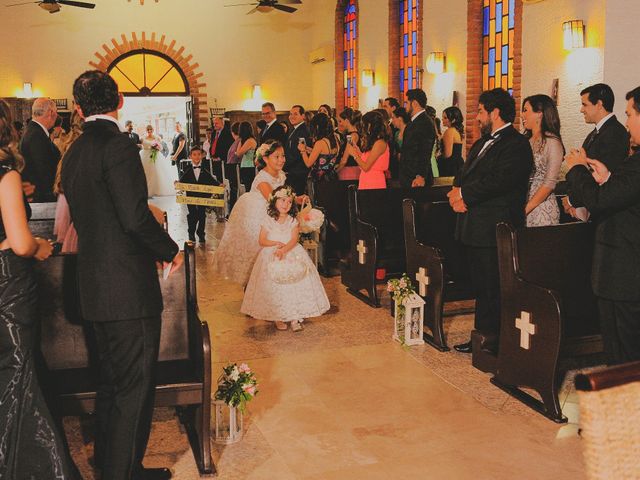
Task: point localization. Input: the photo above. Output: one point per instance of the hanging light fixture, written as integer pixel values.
(573, 34)
(368, 78)
(436, 62)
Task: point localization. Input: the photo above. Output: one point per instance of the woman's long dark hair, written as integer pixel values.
(400, 112)
(550, 122)
(9, 152)
(245, 131)
(354, 117)
(374, 128)
(454, 115)
(321, 127)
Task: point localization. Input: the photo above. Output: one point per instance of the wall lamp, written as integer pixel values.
(436, 62)
(573, 34)
(368, 78)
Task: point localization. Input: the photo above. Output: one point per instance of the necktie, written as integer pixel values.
(196, 168)
(592, 136)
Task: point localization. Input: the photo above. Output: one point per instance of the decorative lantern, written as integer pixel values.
(228, 423)
(408, 327)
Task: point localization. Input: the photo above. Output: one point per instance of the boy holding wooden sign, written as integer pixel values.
(199, 185)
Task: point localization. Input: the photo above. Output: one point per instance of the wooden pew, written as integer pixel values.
(377, 236)
(332, 198)
(548, 310)
(434, 256)
(184, 363)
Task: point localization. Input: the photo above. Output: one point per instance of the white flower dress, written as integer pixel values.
(239, 246)
(264, 299)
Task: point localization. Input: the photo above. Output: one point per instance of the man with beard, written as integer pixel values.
(491, 188)
(417, 143)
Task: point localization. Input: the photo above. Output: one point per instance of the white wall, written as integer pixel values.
(544, 58)
(234, 50)
(622, 57)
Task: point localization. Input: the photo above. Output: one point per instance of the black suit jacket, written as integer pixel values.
(494, 187)
(417, 147)
(205, 178)
(274, 132)
(225, 140)
(134, 137)
(294, 162)
(119, 240)
(610, 145)
(616, 205)
(41, 158)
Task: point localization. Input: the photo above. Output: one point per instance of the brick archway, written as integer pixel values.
(110, 53)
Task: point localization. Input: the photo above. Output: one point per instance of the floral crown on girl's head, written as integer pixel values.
(262, 150)
(282, 193)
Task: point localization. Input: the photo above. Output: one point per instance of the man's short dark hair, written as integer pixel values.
(635, 94)
(96, 93)
(418, 95)
(500, 99)
(603, 92)
(393, 102)
(300, 108)
(269, 105)
(196, 147)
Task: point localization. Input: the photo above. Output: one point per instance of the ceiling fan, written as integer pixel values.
(265, 6)
(54, 6)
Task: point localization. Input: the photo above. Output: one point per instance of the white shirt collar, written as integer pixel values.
(602, 122)
(296, 126)
(416, 115)
(270, 123)
(501, 128)
(41, 126)
(93, 118)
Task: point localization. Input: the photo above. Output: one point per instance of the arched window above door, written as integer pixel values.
(148, 73)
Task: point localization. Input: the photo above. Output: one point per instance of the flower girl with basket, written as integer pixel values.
(284, 286)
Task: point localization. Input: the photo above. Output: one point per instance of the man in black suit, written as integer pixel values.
(295, 168)
(220, 144)
(179, 148)
(273, 130)
(491, 188)
(197, 174)
(417, 143)
(41, 156)
(119, 243)
(614, 197)
(135, 138)
(609, 140)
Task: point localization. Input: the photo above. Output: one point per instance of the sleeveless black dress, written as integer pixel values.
(30, 445)
(450, 166)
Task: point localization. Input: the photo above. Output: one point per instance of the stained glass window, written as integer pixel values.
(147, 73)
(349, 42)
(498, 30)
(409, 62)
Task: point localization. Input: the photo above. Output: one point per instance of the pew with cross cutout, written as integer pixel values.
(437, 262)
(548, 311)
(376, 224)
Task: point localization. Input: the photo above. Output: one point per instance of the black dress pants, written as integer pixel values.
(128, 354)
(483, 269)
(196, 220)
(232, 171)
(620, 324)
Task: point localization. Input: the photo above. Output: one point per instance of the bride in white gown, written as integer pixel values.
(157, 168)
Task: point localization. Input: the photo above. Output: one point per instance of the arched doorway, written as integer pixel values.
(144, 66)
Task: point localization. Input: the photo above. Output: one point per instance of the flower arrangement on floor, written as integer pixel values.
(237, 385)
(155, 148)
(400, 289)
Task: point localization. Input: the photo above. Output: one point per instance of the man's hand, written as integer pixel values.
(418, 181)
(176, 263)
(576, 157)
(455, 200)
(599, 172)
(459, 206)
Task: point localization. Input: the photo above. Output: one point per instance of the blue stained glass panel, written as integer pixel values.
(485, 21)
(505, 61)
(512, 14)
(492, 62)
(414, 42)
(498, 17)
(409, 11)
(405, 43)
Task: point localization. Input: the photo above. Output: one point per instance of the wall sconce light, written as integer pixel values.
(257, 92)
(436, 62)
(573, 34)
(27, 90)
(368, 78)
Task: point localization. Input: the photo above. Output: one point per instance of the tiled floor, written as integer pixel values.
(341, 400)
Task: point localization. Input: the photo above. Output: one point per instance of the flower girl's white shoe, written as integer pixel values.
(296, 325)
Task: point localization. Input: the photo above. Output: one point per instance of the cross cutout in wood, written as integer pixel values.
(527, 329)
(362, 250)
(423, 281)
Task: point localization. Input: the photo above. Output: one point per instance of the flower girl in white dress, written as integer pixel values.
(284, 286)
(239, 247)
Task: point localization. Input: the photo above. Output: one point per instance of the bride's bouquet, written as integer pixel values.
(155, 148)
(310, 219)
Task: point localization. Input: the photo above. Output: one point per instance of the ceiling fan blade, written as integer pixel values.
(284, 8)
(72, 3)
(253, 10)
(23, 3)
(290, 2)
(241, 4)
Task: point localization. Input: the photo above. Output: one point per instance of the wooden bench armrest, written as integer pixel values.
(608, 378)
